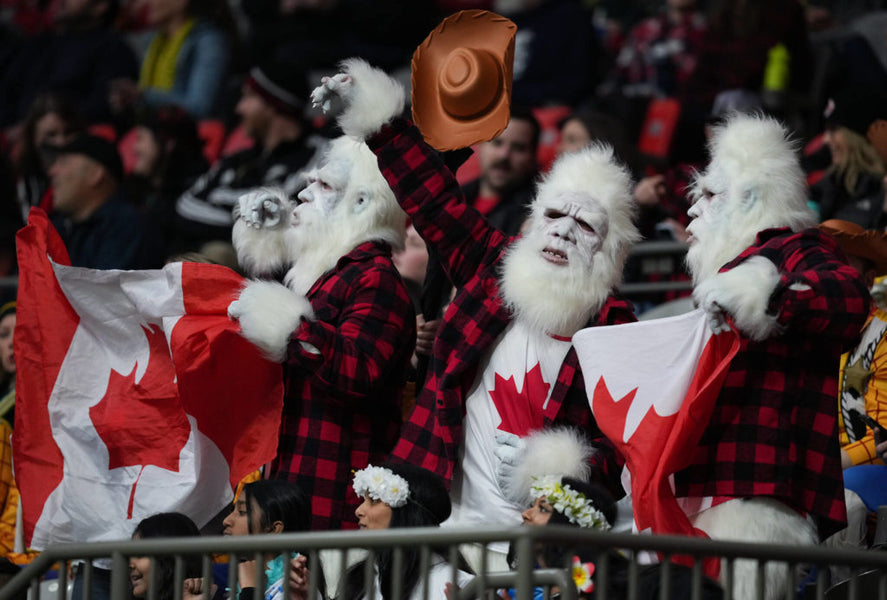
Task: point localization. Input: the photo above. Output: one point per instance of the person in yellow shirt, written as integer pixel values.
(862, 390)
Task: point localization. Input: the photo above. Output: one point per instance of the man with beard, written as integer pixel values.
(342, 324)
(768, 465)
(504, 190)
(502, 364)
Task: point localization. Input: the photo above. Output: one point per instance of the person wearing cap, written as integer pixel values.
(518, 300)
(100, 229)
(852, 188)
(862, 389)
(271, 109)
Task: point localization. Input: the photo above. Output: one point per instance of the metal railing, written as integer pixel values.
(523, 580)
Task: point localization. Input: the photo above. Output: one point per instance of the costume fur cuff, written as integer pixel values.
(375, 99)
(561, 451)
(269, 313)
(744, 292)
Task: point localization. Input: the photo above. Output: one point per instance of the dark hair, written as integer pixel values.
(428, 505)
(180, 157)
(555, 555)
(605, 128)
(523, 113)
(277, 500)
(284, 501)
(42, 105)
(165, 525)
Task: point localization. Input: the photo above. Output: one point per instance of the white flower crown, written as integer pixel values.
(572, 504)
(382, 484)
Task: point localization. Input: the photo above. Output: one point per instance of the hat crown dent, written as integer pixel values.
(469, 82)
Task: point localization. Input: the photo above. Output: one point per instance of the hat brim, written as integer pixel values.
(477, 29)
(863, 243)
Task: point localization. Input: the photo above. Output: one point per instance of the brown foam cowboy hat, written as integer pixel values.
(867, 244)
(461, 79)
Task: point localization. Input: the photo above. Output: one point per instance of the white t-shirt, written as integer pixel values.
(510, 393)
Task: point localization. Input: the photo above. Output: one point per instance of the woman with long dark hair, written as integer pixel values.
(396, 496)
(166, 525)
(274, 506)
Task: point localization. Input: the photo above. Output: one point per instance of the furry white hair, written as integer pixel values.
(754, 162)
(268, 314)
(367, 210)
(561, 300)
(373, 100)
(559, 451)
(757, 520)
(596, 171)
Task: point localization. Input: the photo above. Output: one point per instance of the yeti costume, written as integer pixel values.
(504, 287)
(768, 461)
(343, 325)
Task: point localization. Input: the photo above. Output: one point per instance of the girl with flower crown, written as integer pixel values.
(394, 496)
(274, 506)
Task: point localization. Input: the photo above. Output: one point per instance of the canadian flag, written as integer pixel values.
(652, 387)
(135, 394)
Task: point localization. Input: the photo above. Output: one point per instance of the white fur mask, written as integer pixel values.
(552, 278)
(346, 203)
(753, 182)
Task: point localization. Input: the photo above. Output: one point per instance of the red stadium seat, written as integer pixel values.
(212, 132)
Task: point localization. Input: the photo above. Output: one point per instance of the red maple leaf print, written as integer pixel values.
(143, 423)
(521, 412)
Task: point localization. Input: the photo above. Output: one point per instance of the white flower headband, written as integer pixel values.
(382, 484)
(572, 504)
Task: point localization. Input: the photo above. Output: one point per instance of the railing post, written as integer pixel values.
(525, 565)
(119, 576)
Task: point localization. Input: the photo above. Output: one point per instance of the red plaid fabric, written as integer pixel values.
(774, 430)
(342, 407)
(471, 251)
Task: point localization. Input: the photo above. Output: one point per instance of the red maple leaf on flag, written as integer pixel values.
(521, 412)
(143, 423)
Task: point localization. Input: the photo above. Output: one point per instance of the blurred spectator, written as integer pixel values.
(8, 491)
(557, 57)
(52, 120)
(271, 111)
(80, 58)
(852, 188)
(187, 60)
(746, 40)
(99, 228)
(508, 166)
(661, 52)
(316, 34)
(168, 159)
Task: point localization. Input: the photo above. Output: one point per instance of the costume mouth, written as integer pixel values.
(554, 256)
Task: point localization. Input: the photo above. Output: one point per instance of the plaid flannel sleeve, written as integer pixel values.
(356, 352)
(430, 194)
(817, 291)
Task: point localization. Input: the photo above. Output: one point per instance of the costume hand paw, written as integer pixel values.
(339, 85)
(744, 293)
(509, 451)
(263, 209)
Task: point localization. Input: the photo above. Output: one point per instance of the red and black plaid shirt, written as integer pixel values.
(471, 251)
(774, 430)
(342, 408)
